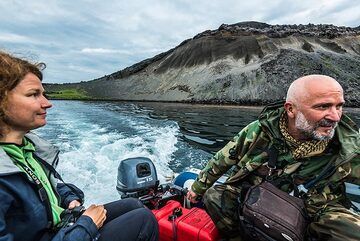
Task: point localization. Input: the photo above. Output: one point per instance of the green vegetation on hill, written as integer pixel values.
(68, 94)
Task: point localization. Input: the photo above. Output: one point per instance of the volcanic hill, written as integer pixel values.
(243, 63)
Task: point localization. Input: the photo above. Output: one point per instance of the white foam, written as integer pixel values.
(92, 163)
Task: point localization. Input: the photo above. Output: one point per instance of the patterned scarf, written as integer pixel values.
(300, 149)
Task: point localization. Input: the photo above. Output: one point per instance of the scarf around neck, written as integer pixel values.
(300, 149)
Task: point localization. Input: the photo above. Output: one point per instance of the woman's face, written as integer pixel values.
(26, 105)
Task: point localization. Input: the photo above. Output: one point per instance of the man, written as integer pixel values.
(308, 132)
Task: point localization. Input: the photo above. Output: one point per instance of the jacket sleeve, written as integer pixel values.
(221, 162)
(5, 203)
(69, 192)
(83, 230)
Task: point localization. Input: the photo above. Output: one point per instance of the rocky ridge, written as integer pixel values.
(243, 63)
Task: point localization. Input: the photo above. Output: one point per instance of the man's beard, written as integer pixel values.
(309, 129)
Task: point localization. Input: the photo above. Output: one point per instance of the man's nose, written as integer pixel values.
(334, 114)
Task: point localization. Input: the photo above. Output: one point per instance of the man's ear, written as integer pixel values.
(289, 108)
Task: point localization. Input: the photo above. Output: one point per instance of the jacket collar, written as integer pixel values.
(348, 135)
(6, 164)
(43, 150)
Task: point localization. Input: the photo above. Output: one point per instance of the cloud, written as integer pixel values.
(86, 39)
(14, 38)
(104, 51)
(337, 12)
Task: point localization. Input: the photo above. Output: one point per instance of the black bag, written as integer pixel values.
(268, 213)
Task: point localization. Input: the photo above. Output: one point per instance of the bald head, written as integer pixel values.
(314, 107)
(309, 85)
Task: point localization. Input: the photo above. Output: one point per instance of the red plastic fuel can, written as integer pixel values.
(191, 225)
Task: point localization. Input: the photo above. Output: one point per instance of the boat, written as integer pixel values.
(178, 219)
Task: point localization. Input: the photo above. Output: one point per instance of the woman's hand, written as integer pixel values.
(74, 203)
(97, 213)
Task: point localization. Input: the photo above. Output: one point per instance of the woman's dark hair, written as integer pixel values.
(12, 71)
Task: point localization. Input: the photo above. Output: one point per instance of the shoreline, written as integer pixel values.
(200, 103)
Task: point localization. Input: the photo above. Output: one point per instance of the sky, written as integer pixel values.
(80, 40)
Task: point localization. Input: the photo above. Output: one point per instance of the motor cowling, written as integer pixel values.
(136, 176)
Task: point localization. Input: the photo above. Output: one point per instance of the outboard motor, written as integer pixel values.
(136, 177)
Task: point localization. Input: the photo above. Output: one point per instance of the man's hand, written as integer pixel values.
(74, 203)
(192, 196)
(97, 213)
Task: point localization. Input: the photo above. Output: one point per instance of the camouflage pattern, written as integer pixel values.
(245, 158)
(335, 223)
(222, 205)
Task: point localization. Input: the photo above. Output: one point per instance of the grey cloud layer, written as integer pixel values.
(82, 39)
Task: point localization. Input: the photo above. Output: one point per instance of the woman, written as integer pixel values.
(32, 206)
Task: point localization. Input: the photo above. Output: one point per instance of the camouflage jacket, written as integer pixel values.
(245, 158)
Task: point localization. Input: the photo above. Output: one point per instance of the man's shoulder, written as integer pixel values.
(348, 136)
(255, 125)
(253, 128)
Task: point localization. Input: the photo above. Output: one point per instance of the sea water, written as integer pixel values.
(94, 137)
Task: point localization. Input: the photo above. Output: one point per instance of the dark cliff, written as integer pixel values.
(245, 63)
